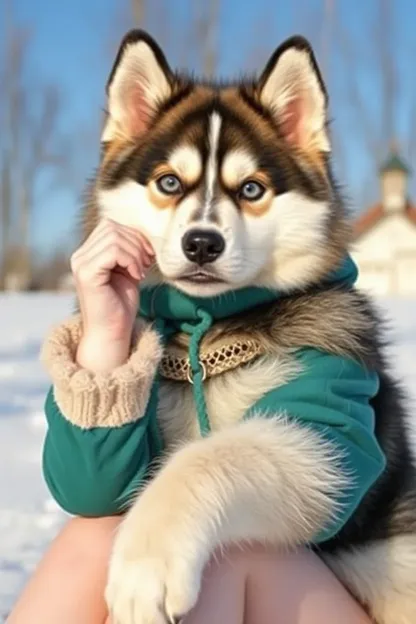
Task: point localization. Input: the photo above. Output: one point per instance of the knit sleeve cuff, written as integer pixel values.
(88, 399)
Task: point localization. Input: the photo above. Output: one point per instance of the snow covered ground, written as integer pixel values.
(28, 516)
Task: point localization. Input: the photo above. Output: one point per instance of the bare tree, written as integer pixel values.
(138, 11)
(206, 26)
(372, 92)
(10, 74)
(50, 271)
(41, 152)
(5, 216)
(199, 35)
(29, 144)
(326, 34)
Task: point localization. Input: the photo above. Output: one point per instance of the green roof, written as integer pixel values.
(394, 163)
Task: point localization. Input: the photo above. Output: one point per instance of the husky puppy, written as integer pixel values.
(232, 183)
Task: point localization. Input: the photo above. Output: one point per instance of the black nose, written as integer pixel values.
(202, 246)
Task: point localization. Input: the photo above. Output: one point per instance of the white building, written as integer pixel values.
(385, 236)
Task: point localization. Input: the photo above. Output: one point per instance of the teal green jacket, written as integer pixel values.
(95, 472)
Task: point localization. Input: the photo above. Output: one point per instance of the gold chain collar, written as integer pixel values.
(220, 359)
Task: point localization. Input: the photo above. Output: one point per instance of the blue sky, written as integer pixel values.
(73, 44)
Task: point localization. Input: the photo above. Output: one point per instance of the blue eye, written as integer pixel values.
(169, 184)
(251, 191)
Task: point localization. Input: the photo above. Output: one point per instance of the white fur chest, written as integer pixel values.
(228, 397)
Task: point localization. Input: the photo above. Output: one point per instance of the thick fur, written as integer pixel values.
(381, 573)
(214, 137)
(268, 480)
(221, 501)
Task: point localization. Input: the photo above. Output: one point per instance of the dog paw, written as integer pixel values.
(151, 581)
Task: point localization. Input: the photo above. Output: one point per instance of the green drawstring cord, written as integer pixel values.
(196, 333)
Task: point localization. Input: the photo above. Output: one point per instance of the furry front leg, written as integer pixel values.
(160, 551)
(261, 480)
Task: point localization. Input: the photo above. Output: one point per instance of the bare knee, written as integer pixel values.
(229, 582)
(91, 527)
(273, 581)
(83, 538)
(68, 585)
(255, 558)
(301, 567)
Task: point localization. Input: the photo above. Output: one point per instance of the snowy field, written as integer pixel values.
(28, 516)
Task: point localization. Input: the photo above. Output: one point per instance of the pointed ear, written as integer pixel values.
(291, 87)
(140, 81)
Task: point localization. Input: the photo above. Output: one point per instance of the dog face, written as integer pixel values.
(230, 182)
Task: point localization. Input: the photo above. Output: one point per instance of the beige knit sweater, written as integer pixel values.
(90, 399)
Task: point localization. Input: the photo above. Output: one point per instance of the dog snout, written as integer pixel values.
(203, 246)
